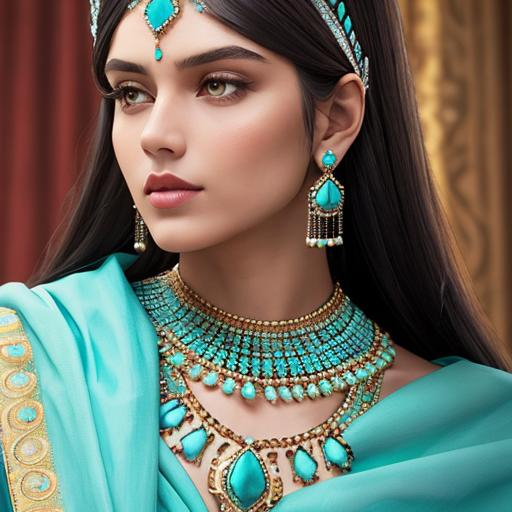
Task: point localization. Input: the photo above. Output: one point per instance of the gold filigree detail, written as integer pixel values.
(33, 484)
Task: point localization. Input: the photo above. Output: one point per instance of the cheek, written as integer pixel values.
(259, 157)
(126, 143)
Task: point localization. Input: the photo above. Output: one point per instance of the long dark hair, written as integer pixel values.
(399, 262)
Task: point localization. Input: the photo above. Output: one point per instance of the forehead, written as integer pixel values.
(191, 32)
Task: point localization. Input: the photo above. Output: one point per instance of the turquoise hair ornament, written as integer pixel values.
(159, 14)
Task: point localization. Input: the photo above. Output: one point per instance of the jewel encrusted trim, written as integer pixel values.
(27, 453)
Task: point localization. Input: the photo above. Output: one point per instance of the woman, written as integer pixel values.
(316, 347)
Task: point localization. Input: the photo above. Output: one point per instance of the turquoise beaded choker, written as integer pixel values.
(331, 349)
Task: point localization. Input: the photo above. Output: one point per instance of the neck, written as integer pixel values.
(267, 273)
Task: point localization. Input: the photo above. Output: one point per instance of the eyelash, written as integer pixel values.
(120, 92)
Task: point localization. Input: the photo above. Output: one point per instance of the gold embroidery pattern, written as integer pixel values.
(33, 484)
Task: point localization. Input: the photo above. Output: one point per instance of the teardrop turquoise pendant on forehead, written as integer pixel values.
(159, 14)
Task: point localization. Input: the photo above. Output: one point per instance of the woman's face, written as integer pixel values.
(232, 127)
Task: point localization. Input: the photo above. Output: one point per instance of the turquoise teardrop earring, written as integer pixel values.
(325, 207)
(159, 14)
(141, 233)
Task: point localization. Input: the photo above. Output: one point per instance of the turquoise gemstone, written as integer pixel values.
(16, 350)
(372, 369)
(285, 394)
(338, 383)
(211, 379)
(298, 392)
(367, 397)
(177, 359)
(229, 386)
(392, 351)
(387, 357)
(347, 25)
(158, 53)
(172, 414)
(329, 196)
(27, 414)
(380, 363)
(325, 387)
(329, 158)
(350, 378)
(246, 482)
(194, 443)
(270, 393)
(313, 391)
(20, 379)
(248, 391)
(341, 10)
(158, 13)
(361, 374)
(195, 372)
(304, 465)
(335, 452)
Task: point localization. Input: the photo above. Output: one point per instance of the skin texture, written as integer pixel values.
(242, 238)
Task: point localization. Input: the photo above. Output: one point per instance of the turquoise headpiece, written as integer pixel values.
(159, 15)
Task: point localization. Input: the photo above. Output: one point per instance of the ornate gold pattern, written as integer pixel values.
(33, 484)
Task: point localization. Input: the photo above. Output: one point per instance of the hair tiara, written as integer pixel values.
(159, 14)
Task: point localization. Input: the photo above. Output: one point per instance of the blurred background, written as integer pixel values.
(461, 56)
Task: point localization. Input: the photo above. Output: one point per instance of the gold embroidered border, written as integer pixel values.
(27, 453)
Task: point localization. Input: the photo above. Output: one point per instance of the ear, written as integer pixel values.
(338, 119)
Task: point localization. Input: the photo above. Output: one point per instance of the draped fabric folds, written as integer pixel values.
(442, 442)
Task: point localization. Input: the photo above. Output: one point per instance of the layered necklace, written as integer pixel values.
(335, 348)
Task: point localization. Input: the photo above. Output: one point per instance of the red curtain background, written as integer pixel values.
(48, 105)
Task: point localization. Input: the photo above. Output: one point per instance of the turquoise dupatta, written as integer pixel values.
(442, 442)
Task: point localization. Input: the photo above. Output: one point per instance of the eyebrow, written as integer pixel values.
(226, 52)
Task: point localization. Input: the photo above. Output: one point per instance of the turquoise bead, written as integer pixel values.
(270, 393)
(195, 372)
(338, 383)
(158, 54)
(229, 386)
(325, 387)
(172, 414)
(347, 25)
(361, 374)
(285, 394)
(341, 10)
(380, 363)
(350, 378)
(211, 379)
(16, 350)
(27, 414)
(194, 443)
(246, 482)
(329, 158)
(19, 379)
(387, 357)
(177, 359)
(329, 196)
(372, 369)
(304, 465)
(248, 391)
(298, 392)
(335, 453)
(313, 391)
(158, 13)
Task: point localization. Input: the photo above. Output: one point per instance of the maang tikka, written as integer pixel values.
(325, 207)
(141, 233)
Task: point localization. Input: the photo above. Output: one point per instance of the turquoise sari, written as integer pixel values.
(79, 400)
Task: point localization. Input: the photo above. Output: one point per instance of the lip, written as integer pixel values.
(165, 182)
(171, 198)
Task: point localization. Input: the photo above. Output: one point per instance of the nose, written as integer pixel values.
(163, 130)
